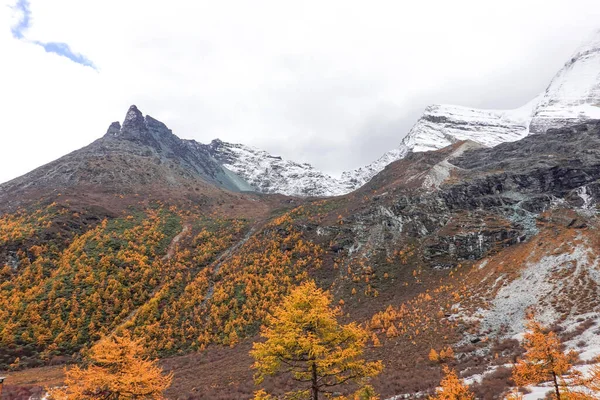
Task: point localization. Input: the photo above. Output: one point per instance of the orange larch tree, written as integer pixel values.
(544, 359)
(452, 388)
(305, 340)
(116, 369)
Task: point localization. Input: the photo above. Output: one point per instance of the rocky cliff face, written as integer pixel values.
(485, 199)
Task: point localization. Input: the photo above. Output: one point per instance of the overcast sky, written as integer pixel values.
(333, 83)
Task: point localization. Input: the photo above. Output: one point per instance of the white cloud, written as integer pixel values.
(333, 83)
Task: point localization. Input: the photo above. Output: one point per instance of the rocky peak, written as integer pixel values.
(114, 129)
(137, 128)
(134, 119)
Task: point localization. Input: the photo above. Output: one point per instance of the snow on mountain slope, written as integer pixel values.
(574, 93)
(442, 125)
(272, 174)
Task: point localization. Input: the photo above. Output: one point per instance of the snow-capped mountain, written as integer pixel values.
(442, 125)
(572, 96)
(574, 93)
(272, 174)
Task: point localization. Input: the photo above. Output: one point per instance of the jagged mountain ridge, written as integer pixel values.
(573, 96)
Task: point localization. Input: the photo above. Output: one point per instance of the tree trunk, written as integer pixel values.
(556, 386)
(315, 387)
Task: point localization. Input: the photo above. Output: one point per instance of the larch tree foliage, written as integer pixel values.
(592, 380)
(514, 394)
(544, 360)
(116, 370)
(305, 341)
(452, 388)
(585, 387)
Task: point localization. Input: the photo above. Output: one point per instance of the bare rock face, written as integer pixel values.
(493, 198)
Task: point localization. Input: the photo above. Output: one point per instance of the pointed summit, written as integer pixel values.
(591, 44)
(134, 119)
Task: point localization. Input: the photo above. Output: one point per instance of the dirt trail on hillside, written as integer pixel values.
(170, 253)
(173, 245)
(215, 266)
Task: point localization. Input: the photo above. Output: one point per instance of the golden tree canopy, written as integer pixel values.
(544, 359)
(116, 369)
(452, 388)
(305, 340)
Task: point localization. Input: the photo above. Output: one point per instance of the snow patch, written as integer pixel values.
(536, 283)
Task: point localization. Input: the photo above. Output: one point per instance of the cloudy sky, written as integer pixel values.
(333, 83)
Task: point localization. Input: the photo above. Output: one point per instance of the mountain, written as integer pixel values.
(442, 125)
(446, 246)
(141, 156)
(573, 96)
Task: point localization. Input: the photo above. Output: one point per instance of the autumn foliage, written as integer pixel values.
(305, 340)
(544, 359)
(452, 388)
(116, 369)
(444, 355)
